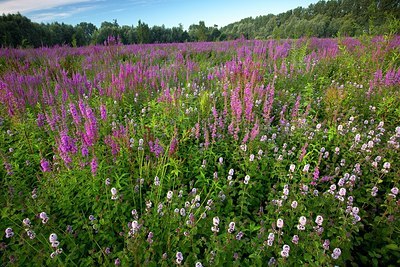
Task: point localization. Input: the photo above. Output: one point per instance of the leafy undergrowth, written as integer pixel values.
(242, 153)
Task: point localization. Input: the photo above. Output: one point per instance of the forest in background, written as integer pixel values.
(323, 19)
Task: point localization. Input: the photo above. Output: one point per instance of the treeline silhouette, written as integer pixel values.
(323, 19)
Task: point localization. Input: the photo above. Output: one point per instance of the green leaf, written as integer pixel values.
(393, 247)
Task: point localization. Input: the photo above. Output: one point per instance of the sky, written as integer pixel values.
(153, 12)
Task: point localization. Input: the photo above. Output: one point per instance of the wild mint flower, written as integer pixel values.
(91, 218)
(149, 204)
(251, 159)
(134, 214)
(231, 228)
(284, 254)
(182, 212)
(285, 191)
(44, 217)
(271, 236)
(134, 227)
(326, 244)
(117, 262)
(279, 223)
(150, 237)
(169, 195)
(9, 232)
(342, 191)
(69, 229)
(239, 235)
(302, 220)
(53, 237)
(306, 168)
(53, 240)
(319, 219)
(198, 264)
(336, 253)
(179, 257)
(295, 239)
(114, 193)
(156, 181)
(231, 172)
(286, 248)
(215, 228)
(332, 188)
(386, 165)
(294, 204)
(292, 167)
(272, 261)
(394, 191)
(31, 234)
(246, 179)
(26, 222)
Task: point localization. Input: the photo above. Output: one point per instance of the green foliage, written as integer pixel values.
(171, 173)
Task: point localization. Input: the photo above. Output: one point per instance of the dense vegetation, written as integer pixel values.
(323, 19)
(237, 153)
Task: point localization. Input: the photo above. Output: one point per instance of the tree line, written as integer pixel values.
(323, 19)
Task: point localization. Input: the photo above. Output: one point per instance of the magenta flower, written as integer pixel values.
(45, 165)
(94, 166)
(103, 112)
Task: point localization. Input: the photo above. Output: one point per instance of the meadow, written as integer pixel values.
(240, 153)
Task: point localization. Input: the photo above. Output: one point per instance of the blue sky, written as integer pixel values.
(153, 12)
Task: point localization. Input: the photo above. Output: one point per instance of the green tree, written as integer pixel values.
(143, 33)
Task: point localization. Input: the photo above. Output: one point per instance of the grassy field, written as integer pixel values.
(242, 153)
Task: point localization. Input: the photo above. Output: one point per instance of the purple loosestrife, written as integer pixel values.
(74, 113)
(248, 102)
(94, 166)
(115, 148)
(82, 107)
(45, 165)
(315, 176)
(255, 131)
(173, 147)
(282, 115)
(89, 135)
(197, 131)
(103, 112)
(156, 148)
(66, 145)
(206, 138)
(268, 102)
(84, 150)
(40, 120)
(236, 105)
(295, 110)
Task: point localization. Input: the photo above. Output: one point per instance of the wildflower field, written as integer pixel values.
(241, 153)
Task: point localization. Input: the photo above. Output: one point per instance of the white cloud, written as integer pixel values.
(26, 6)
(53, 16)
